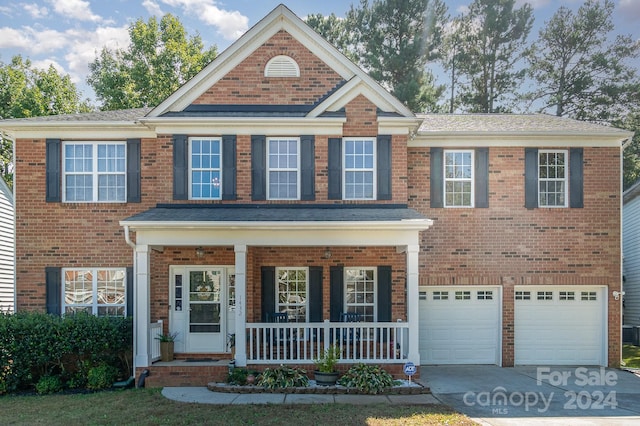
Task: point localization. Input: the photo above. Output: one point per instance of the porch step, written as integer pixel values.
(182, 373)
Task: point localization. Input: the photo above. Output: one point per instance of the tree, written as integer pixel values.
(335, 30)
(631, 159)
(30, 92)
(494, 35)
(577, 71)
(158, 61)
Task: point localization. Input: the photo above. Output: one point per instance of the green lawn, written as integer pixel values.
(630, 356)
(149, 407)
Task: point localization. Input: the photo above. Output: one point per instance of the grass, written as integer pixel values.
(149, 407)
(631, 356)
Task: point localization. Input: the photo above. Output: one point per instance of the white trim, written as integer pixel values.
(94, 305)
(453, 139)
(373, 169)
(284, 169)
(190, 171)
(472, 179)
(278, 305)
(407, 224)
(345, 305)
(565, 180)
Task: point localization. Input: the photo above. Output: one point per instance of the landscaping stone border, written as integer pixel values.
(416, 389)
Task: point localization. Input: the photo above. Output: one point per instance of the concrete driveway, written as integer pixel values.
(537, 395)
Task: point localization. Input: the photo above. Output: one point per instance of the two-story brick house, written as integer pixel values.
(283, 184)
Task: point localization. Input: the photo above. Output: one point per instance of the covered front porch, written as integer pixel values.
(254, 256)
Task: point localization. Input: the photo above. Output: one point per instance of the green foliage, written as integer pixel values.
(283, 377)
(158, 61)
(631, 161)
(102, 377)
(327, 362)
(239, 376)
(33, 345)
(367, 378)
(168, 337)
(48, 384)
(580, 71)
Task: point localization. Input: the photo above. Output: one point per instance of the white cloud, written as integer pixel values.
(629, 9)
(44, 64)
(75, 9)
(535, 4)
(152, 7)
(36, 11)
(230, 24)
(13, 39)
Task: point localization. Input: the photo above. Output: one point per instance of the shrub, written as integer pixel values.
(239, 376)
(327, 362)
(370, 379)
(102, 377)
(283, 377)
(48, 384)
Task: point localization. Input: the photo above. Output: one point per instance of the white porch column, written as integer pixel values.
(141, 309)
(412, 303)
(241, 305)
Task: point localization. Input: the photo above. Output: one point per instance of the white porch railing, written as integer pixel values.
(155, 328)
(367, 342)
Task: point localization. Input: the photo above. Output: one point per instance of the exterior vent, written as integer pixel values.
(282, 66)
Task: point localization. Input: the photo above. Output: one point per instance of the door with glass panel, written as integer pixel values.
(199, 309)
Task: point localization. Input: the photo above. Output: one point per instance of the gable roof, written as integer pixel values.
(282, 18)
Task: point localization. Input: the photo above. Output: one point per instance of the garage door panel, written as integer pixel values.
(465, 330)
(560, 332)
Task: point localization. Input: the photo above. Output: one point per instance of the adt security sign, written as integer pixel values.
(409, 369)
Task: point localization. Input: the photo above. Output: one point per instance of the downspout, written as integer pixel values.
(127, 239)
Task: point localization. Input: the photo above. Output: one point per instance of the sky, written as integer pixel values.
(69, 33)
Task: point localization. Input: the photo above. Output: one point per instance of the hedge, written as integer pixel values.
(36, 346)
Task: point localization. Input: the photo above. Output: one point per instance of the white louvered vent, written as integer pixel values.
(282, 66)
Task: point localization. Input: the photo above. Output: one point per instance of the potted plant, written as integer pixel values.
(167, 342)
(325, 373)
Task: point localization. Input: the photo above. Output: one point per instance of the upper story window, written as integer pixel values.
(359, 169)
(205, 176)
(283, 168)
(95, 291)
(291, 292)
(282, 66)
(552, 178)
(458, 178)
(360, 292)
(94, 171)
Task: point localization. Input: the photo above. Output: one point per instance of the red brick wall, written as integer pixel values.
(507, 244)
(246, 83)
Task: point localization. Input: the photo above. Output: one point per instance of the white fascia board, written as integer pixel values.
(408, 224)
(397, 125)
(484, 139)
(281, 126)
(85, 130)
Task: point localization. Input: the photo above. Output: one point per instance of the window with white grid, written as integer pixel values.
(96, 291)
(292, 286)
(360, 292)
(205, 173)
(552, 178)
(283, 164)
(458, 178)
(359, 169)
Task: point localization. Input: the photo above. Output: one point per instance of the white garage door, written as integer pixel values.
(460, 325)
(560, 325)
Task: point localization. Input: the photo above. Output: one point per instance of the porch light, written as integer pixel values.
(200, 252)
(327, 254)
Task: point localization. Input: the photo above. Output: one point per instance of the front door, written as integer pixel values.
(199, 308)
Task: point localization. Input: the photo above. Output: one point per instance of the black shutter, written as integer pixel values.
(436, 178)
(180, 167)
(229, 167)
(268, 274)
(384, 293)
(384, 167)
(336, 292)
(315, 293)
(576, 178)
(482, 178)
(133, 171)
(258, 168)
(335, 169)
(53, 288)
(307, 168)
(129, 291)
(53, 172)
(531, 178)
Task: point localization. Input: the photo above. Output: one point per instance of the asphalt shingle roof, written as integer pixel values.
(276, 213)
(97, 116)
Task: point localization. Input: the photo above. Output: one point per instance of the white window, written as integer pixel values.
(567, 295)
(291, 297)
(545, 295)
(463, 295)
(94, 172)
(458, 178)
(359, 169)
(440, 295)
(552, 178)
(360, 292)
(523, 295)
(485, 295)
(95, 291)
(588, 296)
(283, 168)
(205, 169)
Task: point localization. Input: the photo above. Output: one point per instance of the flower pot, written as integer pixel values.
(326, 379)
(166, 351)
